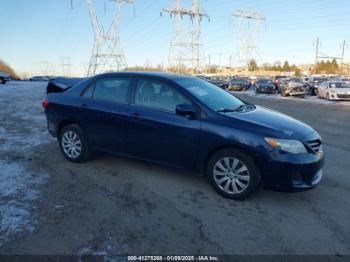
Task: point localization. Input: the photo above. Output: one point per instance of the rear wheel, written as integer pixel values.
(2, 81)
(233, 174)
(73, 144)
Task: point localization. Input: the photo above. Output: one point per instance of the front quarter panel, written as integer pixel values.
(220, 133)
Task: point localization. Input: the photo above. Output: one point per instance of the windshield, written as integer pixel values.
(297, 80)
(210, 95)
(264, 81)
(339, 85)
(320, 79)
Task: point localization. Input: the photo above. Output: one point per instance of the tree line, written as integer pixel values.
(5, 68)
(323, 67)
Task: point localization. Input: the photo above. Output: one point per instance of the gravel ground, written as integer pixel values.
(113, 205)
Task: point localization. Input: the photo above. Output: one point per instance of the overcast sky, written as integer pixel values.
(36, 31)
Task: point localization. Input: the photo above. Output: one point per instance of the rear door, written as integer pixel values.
(103, 112)
(156, 132)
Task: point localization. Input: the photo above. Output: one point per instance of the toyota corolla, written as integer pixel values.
(186, 123)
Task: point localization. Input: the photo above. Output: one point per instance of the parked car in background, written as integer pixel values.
(334, 90)
(265, 86)
(220, 82)
(187, 123)
(4, 77)
(313, 84)
(345, 79)
(292, 87)
(306, 79)
(238, 84)
(278, 80)
(39, 79)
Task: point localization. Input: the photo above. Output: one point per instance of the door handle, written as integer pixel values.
(83, 107)
(136, 116)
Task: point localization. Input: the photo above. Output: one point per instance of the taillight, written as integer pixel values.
(45, 104)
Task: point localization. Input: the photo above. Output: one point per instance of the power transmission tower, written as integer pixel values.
(186, 48)
(316, 57)
(320, 55)
(66, 66)
(248, 28)
(43, 67)
(107, 54)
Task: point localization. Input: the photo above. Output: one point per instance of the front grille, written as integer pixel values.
(315, 145)
(343, 96)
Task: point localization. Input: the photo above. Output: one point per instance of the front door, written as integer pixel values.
(156, 132)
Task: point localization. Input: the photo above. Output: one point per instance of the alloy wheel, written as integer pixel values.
(231, 175)
(71, 144)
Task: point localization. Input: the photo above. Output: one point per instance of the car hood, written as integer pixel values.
(295, 84)
(272, 123)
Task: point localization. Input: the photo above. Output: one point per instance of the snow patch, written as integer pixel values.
(18, 190)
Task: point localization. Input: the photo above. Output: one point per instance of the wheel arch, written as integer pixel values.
(246, 150)
(65, 123)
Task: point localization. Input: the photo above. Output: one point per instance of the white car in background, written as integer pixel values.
(334, 90)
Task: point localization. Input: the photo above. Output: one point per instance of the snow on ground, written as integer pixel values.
(306, 99)
(18, 191)
(22, 129)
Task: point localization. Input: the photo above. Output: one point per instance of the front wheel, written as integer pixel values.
(73, 144)
(233, 174)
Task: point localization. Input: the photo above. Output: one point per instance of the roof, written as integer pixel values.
(169, 76)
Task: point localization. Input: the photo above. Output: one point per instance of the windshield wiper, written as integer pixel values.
(228, 110)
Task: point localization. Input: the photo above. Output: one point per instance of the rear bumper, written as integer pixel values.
(52, 127)
(291, 173)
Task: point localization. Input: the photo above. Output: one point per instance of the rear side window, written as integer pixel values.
(89, 92)
(114, 89)
(158, 95)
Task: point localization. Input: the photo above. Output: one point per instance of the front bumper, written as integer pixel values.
(297, 93)
(265, 90)
(291, 173)
(236, 88)
(336, 96)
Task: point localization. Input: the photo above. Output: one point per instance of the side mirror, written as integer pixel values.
(185, 110)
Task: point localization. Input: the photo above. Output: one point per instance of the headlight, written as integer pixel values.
(290, 146)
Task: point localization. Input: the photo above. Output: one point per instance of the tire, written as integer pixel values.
(74, 134)
(2, 81)
(238, 160)
(327, 97)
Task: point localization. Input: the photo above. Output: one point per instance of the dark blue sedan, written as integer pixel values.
(187, 123)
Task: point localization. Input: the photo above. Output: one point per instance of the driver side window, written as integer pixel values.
(158, 95)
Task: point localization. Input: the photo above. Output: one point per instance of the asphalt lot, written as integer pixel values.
(113, 205)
